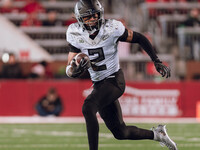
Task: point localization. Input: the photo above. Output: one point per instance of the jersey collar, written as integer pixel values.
(97, 39)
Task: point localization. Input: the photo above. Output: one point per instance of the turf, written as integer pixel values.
(73, 137)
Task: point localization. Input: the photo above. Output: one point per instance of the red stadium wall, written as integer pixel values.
(176, 99)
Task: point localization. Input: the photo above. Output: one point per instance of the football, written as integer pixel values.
(78, 58)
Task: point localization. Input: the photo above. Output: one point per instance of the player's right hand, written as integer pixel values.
(84, 64)
(78, 69)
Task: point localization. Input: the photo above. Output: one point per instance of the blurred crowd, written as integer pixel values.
(130, 14)
(32, 8)
(172, 0)
(12, 68)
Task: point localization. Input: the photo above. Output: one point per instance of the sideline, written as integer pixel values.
(56, 120)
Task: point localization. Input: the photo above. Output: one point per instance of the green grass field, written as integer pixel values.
(73, 137)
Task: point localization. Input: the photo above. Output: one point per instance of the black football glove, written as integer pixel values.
(79, 69)
(162, 69)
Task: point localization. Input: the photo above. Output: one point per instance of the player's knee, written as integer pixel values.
(88, 109)
(120, 133)
(85, 109)
(118, 136)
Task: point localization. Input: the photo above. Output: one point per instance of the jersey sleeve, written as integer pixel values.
(119, 30)
(73, 49)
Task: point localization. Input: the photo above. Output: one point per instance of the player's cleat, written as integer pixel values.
(160, 134)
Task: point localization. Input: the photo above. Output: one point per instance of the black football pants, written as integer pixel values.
(104, 99)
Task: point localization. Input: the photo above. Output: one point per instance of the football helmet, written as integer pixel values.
(89, 8)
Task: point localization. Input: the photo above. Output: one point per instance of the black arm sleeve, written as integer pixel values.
(73, 49)
(145, 44)
(123, 37)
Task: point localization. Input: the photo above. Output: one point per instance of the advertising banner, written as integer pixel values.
(140, 99)
(148, 102)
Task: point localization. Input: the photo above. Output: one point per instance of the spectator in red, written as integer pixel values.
(7, 7)
(41, 70)
(32, 6)
(31, 20)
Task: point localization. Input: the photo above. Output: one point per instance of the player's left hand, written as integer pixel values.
(162, 69)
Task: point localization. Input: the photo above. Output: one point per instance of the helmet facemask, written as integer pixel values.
(84, 17)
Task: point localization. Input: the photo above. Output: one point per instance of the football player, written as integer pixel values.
(98, 38)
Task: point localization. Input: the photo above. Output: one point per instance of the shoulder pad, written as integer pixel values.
(112, 23)
(73, 28)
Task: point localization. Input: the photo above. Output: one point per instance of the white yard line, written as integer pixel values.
(86, 145)
(69, 145)
(37, 119)
(56, 133)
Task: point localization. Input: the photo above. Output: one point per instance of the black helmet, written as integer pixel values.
(84, 8)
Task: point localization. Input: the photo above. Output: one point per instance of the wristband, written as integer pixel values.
(68, 70)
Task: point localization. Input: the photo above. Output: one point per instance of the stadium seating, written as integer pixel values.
(160, 19)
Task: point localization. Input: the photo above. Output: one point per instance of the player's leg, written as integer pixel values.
(89, 110)
(104, 93)
(112, 117)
